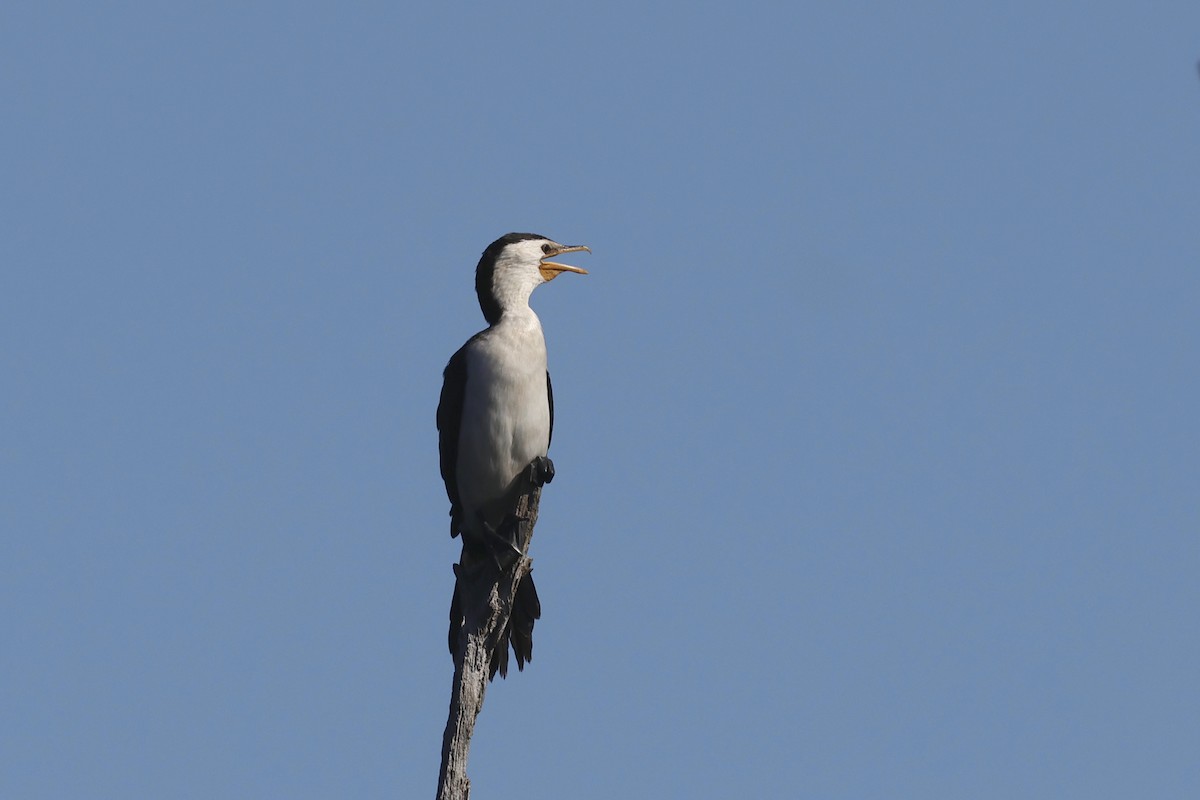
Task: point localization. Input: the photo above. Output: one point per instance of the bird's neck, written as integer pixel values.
(518, 317)
(511, 299)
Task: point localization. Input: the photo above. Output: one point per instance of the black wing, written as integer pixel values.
(449, 417)
(550, 397)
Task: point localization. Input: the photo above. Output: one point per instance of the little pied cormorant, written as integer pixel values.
(495, 419)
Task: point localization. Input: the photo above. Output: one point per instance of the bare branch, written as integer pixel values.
(486, 595)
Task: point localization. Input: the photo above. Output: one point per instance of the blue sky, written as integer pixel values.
(876, 442)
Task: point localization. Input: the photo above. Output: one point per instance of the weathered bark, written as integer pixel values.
(487, 596)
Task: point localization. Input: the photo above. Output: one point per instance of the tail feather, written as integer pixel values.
(526, 610)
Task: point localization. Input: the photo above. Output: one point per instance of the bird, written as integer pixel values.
(495, 420)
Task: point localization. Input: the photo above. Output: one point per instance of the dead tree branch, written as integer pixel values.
(487, 596)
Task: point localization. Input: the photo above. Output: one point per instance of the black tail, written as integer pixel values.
(526, 610)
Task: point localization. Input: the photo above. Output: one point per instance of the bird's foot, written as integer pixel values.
(503, 544)
(541, 471)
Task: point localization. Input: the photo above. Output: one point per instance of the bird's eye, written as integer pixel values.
(546, 249)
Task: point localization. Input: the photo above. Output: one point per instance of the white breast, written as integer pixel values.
(506, 416)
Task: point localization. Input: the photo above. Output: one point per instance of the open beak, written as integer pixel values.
(551, 270)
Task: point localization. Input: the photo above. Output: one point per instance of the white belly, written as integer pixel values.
(505, 421)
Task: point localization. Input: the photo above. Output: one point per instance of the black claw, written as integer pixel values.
(542, 471)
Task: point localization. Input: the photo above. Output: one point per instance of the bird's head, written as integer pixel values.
(513, 266)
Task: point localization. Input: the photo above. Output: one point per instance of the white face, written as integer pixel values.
(518, 265)
(526, 256)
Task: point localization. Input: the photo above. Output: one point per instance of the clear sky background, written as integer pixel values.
(876, 435)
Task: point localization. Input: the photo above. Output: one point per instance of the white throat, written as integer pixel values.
(512, 284)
